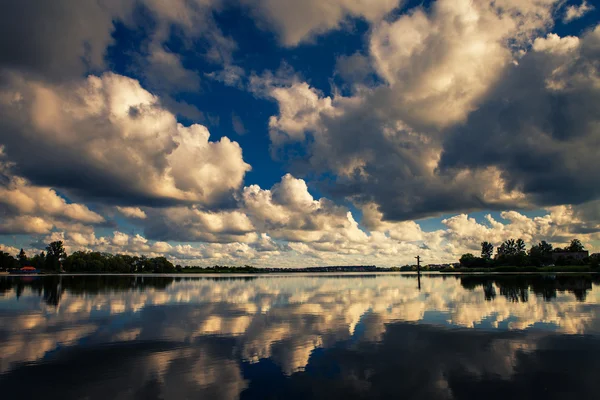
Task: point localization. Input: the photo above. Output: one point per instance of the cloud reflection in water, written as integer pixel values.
(360, 335)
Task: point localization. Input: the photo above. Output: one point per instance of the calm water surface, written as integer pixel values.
(262, 337)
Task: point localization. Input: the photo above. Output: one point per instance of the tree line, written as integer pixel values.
(514, 253)
(55, 259)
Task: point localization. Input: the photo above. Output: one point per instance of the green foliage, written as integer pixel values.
(512, 254)
(82, 261)
(514, 268)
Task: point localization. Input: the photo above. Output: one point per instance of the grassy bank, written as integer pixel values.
(565, 268)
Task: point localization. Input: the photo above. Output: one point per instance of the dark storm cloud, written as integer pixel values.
(57, 39)
(540, 126)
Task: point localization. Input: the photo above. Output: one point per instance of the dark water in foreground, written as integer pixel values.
(294, 337)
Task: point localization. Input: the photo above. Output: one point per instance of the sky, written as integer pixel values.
(291, 134)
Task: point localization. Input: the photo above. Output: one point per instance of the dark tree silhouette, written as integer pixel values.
(23, 258)
(56, 254)
(541, 254)
(575, 246)
(487, 250)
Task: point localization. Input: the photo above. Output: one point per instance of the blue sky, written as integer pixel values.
(285, 133)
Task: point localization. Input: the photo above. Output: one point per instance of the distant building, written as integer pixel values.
(575, 255)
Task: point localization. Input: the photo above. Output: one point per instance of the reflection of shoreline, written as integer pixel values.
(515, 287)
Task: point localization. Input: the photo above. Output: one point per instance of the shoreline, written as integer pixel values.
(304, 273)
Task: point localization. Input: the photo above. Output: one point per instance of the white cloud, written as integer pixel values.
(440, 64)
(453, 75)
(191, 224)
(288, 211)
(574, 12)
(301, 21)
(117, 132)
(132, 212)
(37, 210)
(555, 44)
(22, 198)
(299, 111)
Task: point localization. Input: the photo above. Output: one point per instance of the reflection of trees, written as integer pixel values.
(515, 292)
(490, 291)
(51, 287)
(516, 288)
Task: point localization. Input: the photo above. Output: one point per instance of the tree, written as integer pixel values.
(575, 246)
(487, 250)
(468, 260)
(520, 246)
(507, 248)
(7, 261)
(55, 255)
(545, 247)
(512, 252)
(541, 254)
(39, 261)
(23, 258)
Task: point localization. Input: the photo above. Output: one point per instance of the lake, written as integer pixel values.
(300, 336)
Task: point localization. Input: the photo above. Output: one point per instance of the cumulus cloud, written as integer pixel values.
(288, 211)
(376, 158)
(536, 121)
(555, 44)
(286, 226)
(455, 75)
(191, 224)
(107, 137)
(65, 41)
(37, 210)
(454, 107)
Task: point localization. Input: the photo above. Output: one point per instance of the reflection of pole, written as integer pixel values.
(418, 271)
